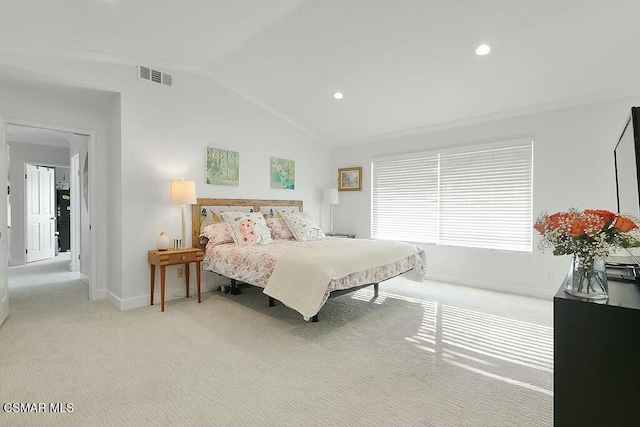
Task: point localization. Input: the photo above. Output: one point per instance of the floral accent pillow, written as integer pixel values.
(216, 234)
(279, 229)
(303, 226)
(247, 229)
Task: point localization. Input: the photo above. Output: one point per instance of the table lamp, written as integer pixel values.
(183, 193)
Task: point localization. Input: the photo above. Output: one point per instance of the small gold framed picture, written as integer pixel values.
(350, 179)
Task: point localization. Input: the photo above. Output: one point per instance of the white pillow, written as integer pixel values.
(247, 228)
(303, 226)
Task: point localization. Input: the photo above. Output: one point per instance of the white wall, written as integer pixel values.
(22, 153)
(164, 133)
(573, 167)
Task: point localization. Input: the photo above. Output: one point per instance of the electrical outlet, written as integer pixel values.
(180, 272)
(548, 276)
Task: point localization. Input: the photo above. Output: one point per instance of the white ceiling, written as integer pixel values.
(402, 64)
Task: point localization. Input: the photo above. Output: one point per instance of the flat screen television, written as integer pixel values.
(627, 163)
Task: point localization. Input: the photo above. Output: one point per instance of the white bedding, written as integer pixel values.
(299, 286)
(300, 279)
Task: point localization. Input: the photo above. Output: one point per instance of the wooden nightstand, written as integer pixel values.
(174, 257)
(345, 235)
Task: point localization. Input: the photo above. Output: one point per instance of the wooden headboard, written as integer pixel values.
(206, 211)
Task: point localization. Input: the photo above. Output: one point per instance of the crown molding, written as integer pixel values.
(65, 53)
(546, 107)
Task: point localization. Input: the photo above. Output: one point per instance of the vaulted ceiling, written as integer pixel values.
(401, 64)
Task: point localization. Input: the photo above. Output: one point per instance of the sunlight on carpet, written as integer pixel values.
(430, 354)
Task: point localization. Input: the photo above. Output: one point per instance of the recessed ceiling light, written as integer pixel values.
(483, 49)
(338, 95)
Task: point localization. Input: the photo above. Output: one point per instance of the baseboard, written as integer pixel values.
(84, 279)
(542, 293)
(116, 301)
(139, 301)
(99, 294)
(129, 303)
(145, 300)
(509, 288)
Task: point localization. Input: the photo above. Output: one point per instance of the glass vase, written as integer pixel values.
(589, 279)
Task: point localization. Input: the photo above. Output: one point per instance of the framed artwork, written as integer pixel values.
(350, 179)
(283, 174)
(223, 167)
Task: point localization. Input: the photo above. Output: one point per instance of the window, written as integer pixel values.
(479, 196)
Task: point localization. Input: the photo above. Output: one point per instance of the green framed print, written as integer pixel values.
(223, 167)
(283, 174)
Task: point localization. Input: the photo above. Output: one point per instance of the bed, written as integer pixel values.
(300, 274)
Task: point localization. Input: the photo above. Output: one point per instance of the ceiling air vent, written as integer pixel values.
(155, 76)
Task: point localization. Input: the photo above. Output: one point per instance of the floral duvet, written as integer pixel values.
(255, 264)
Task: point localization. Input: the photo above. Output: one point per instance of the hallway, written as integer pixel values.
(50, 271)
(33, 286)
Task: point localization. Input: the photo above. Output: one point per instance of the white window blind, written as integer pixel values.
(475, 197)
(405, 199)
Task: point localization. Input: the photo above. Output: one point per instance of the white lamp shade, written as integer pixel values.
(331, 196)
(183, 193)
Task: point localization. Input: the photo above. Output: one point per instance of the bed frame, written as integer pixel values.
(206, 210)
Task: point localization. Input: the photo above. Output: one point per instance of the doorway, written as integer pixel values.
(26, 141)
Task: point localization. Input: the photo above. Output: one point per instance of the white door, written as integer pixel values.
(4, 252)
(41, 220)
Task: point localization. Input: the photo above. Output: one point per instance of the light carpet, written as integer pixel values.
(427, 354)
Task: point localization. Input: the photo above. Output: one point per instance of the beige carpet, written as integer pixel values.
(427, 354)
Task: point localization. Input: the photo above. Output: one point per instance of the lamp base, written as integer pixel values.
(182, 243)
(331, 219)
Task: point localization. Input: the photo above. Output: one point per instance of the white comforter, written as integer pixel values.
(300, 279)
